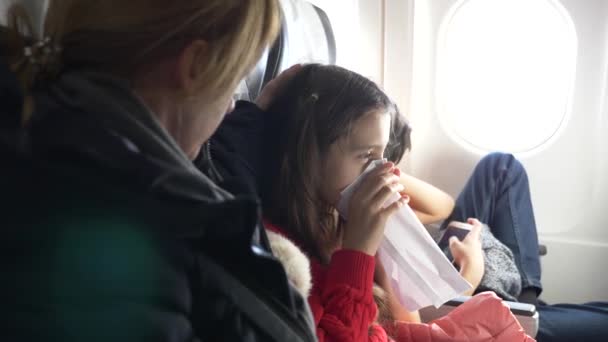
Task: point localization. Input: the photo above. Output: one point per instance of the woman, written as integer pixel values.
(110, 233)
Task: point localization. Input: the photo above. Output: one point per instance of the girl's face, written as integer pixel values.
(348, 157)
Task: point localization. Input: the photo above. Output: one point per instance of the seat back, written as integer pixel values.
(306, 36)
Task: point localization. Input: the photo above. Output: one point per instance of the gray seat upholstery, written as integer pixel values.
(306, 36)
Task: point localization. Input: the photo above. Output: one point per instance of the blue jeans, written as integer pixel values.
(498, 194)
(573, 322)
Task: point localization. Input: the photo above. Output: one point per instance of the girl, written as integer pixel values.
(502, 256)
(318, 136)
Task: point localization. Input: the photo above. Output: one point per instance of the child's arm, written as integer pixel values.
(342, 304)
(468, 255)
(428, 202)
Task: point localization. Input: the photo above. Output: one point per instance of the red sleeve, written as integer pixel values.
(342, 303)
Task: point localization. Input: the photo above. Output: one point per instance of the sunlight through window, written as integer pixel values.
(505, 72)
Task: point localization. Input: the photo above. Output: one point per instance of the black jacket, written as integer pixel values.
(109, 236)
(246, 148)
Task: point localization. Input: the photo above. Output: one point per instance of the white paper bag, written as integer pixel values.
(420, 273)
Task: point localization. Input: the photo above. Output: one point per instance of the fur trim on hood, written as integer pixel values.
(296, 264)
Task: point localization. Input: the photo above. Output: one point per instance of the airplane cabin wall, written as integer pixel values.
(567, 173)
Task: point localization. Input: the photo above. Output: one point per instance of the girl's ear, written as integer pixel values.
(189, 65)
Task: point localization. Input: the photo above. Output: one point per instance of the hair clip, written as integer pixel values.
(41, 51)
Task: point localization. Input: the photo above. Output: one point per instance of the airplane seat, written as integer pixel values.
(249, 88)
(306, 36)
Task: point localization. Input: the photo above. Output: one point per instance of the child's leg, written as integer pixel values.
(497, 193)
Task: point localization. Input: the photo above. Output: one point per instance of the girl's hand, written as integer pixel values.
(468, 255)
(365, 226)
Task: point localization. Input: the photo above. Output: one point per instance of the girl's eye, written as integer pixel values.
(366, 155)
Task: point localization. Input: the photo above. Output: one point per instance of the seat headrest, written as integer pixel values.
(306, 36)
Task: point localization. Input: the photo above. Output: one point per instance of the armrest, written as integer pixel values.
(525, 313)
(519, 309)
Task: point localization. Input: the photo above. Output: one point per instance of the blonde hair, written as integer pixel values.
(383, 315)
(122, 36)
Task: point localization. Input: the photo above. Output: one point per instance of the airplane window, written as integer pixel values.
(505, 72)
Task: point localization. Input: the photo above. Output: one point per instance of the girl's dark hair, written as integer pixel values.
(318, 107)
(400, 138)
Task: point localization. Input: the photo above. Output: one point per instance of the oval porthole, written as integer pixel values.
(505, 73)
